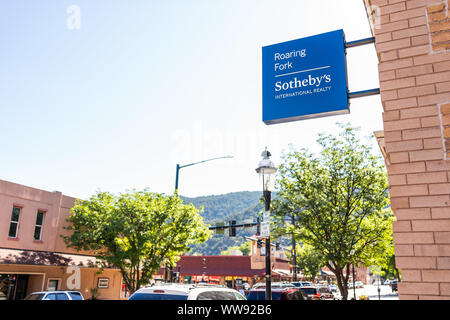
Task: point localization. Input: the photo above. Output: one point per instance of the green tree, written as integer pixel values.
(340, 200)
(309, 261)
(389, 269)
(244, 248)
(137, 232)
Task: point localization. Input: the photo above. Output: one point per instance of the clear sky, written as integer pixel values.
(144, 84)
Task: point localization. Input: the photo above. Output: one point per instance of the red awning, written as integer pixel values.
(236, 266)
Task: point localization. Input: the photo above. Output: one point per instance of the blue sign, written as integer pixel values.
(305, 78)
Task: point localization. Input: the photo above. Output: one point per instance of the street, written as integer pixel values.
(371, 291)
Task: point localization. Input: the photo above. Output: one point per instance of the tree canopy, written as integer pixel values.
(244, 248)
(137, 231)
(339, 199)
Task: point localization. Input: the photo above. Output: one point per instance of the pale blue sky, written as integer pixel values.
(145, 84)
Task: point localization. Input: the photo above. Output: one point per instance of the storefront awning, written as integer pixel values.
(281, 272)
(326, 273)
(44, 258)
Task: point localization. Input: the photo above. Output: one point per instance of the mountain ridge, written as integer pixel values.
(240, 206)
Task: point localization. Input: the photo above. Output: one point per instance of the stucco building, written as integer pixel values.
(33, 255)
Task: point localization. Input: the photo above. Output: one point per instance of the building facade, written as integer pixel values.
(232, 270)
(33, 255)
(412, 43)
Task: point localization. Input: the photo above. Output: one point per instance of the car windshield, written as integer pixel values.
(37, 296)
(157, 296)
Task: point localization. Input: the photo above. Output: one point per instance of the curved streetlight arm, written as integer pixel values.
(191, 164)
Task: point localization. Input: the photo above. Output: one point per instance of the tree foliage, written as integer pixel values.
(309, 261)
(340, 202)
(244, 248)
(136, 232)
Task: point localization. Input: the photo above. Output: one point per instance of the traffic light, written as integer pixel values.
(259, 243)
(232, 230)
(220, 227)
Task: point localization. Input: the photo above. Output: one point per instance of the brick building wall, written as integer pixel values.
(412, 43)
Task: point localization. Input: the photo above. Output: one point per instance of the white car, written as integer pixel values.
(186, 292)
(55, 295)
(359, 284)
(274, 285)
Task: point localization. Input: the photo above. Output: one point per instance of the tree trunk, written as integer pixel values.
(341, 283)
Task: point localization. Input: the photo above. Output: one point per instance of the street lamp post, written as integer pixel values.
(266, 170)
(294, 253)
(379, 290)
(353, 276)
(352, 253)
(177, 174)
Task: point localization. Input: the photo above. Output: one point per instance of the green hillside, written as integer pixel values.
(239, 206)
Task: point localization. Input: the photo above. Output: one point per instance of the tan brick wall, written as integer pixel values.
(413, 42)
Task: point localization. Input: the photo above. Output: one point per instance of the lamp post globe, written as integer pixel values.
(266, 169)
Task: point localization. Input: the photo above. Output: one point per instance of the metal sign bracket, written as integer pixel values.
(364, 93)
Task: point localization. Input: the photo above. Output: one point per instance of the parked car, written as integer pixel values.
(299, 284)
(333, 288)
(387, 282)
(186, 292)
(312, 292)
(277, 294)
(359, 284)
(394, 285)
(274, 285)
(55, 295)
(326, 294)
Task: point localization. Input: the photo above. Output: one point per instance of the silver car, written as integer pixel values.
(55, 295)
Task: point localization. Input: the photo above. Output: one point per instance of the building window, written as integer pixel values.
(38, 226)
(53, 284)
(14, 225)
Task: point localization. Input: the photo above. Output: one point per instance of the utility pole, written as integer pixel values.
(177, 174)
(294, 252)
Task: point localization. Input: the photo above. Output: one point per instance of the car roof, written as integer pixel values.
(274, 289)
(212, 289)
(55, 291)
(182, 288)
(170, 289)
